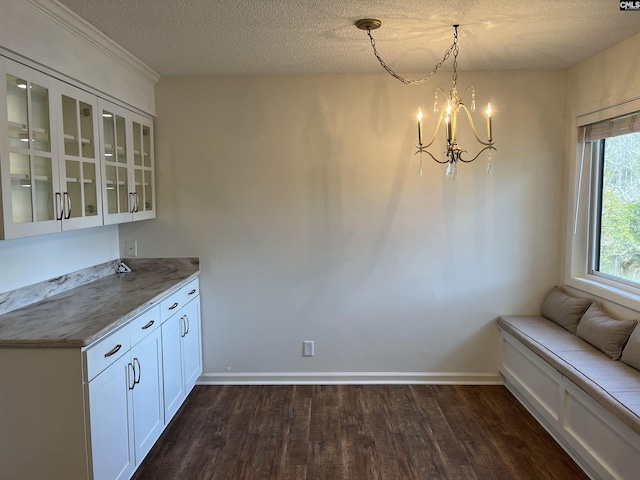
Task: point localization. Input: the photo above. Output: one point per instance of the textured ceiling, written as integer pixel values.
(185, 37)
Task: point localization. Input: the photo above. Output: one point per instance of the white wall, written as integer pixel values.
(605, 80)
(26, 261)
(302, 198)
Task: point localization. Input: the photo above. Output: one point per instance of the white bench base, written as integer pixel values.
(603, 446)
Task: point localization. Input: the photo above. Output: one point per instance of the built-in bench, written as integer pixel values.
(587, 401)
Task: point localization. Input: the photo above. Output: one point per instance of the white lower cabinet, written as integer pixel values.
(94, 413)
(191, 344)
(133, 399)
(110, 416)
(148, 407)
(181, 353)
(126, 413)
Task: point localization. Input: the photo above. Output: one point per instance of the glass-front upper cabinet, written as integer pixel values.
(80, 173)
(28, 157)
(128, 165)
(143, 169)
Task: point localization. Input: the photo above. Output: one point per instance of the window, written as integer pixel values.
(606, 237)
(616, 232)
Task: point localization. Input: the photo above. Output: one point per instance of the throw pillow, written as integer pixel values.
(631, 353)
(564, 310)
(603, 332)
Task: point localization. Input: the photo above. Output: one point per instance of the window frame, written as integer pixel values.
(582, 223)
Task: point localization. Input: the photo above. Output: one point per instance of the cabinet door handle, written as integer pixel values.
(192, 292)
(183, 327)
(172, 307)
(135, 360)
(151, 322)
(132, 200)
(67, 198)
(132, 376)
(113, 351)
(136, 196)
(60, 206)
(186, 323)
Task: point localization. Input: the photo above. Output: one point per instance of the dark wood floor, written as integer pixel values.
(355, 432)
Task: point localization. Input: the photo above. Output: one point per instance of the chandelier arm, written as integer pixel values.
(423, 149)
(399, 77)
(470, 87)
(473, 127)
(488, 147)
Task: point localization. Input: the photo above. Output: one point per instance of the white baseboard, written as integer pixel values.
(351, 378)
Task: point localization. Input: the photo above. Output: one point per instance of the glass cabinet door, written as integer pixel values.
(143, 171)
(80, 179)
(29, 167)
(116, 150)
(115, 159)
(127, 149)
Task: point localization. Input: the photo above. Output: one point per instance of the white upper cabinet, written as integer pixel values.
(31, 200)
(79, 157)
(69, 159)
(128, 164)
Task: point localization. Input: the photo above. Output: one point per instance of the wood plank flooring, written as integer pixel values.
(355, 432)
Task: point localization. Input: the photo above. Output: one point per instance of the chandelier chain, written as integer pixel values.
(452, 49)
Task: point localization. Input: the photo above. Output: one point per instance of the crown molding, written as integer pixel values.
(88, 33)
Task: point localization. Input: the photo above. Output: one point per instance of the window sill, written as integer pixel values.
(616, 292)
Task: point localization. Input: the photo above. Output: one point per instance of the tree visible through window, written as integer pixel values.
(618, 248)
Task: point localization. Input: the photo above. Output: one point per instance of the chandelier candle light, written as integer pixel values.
(455, 105)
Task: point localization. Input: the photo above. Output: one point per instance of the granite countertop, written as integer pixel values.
(81, 315)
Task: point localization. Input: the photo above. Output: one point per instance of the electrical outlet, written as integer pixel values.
(131, 248)
(307, 348)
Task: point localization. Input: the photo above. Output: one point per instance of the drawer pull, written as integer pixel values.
(113, 351)
(151, 322)
(192, 292)
(173, 306)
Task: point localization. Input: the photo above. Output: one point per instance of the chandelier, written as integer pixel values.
(449, 114)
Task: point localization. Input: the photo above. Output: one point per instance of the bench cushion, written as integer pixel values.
(612, 384)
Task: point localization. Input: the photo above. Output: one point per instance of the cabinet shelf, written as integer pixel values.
(21, 178)
(74, 138)
(109, 146)
(77, 180)
(17, 125)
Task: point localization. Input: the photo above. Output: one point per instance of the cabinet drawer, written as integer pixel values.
(192, 290)
(178, 299)
(144, 324)
(106, 351)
